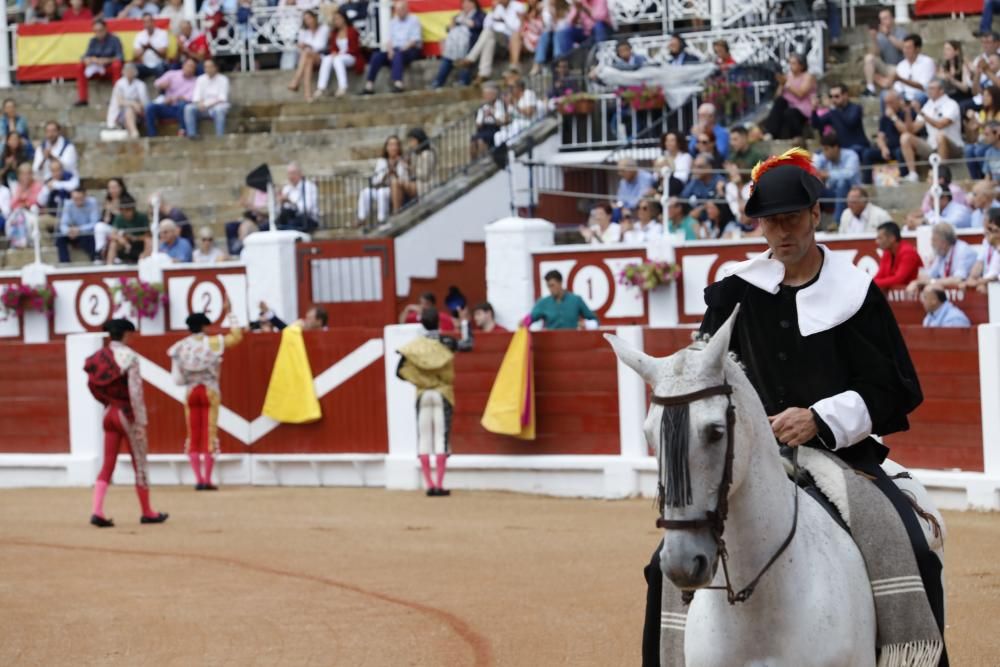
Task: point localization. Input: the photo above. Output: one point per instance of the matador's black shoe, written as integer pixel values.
(101, 522)
(443, 492)
(159, 518)
(199, 487)
(432, 492)
(209, 487)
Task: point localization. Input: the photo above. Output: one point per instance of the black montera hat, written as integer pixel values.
(197, 321)
(118, 326)
(783, 184)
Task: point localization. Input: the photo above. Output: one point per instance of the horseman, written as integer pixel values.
(822, 349)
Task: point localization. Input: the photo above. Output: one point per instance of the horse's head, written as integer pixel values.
(689, 426)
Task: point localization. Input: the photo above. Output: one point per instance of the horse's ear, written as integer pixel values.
(718, 346)
(639, 361)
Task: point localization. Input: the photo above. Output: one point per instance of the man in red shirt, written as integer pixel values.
(900, 262)
(411, 314)
(193, 45)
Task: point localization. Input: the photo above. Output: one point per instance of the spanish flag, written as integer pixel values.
(291, 396)
(435, 17)
(510, 409)
(53, 50)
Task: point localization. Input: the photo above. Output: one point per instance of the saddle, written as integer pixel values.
(807, 483)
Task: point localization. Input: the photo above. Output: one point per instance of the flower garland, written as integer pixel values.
(144, 298)
(642, 98)
(576, 103)
(20, 298)
(649, 275)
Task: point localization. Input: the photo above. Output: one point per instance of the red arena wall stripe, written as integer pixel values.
(576, 396)
(33, 412)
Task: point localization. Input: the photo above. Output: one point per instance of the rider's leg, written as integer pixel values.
(654, 603)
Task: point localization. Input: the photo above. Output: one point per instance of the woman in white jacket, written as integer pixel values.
(390, 168)
(128, 102)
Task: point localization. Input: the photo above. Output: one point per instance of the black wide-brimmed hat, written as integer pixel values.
(197, 321)
(118, 326)
(783, 184)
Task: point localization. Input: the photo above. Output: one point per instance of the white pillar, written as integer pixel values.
(902, 11)
(994, 302)
(717, 14)
(85, 413)
(631, 400)
(4, 52)
(989, 389)
(509, 279)
(664, 308)
(36, 324)
(190, 9)
(272, 271)
(150, 270)
(401, 470)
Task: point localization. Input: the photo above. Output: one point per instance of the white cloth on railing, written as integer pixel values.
(678, 83)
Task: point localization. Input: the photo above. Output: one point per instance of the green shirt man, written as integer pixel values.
(561, 309)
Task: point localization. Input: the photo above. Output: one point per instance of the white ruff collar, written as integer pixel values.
(835, 297)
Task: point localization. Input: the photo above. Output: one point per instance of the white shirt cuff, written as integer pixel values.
(847, 416)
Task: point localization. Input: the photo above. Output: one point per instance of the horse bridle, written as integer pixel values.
(715, 520)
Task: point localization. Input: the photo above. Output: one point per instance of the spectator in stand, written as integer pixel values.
(677, 53)
(412, 313)
(625, 60)
(114, 192)
(193, 46)
(561, 309)
(976, 124)
(173, 11)
(723, 58)
(942, 119)
(984, 67)
(315, 319)
(503, 21)
(177, 215)
(299, 202)
(207, 252)
(555, 17)
(633, 184)
(564, 82)
(600, 228)
(490, 117)
(149, 50)
(944, 180)
(987, 266)
(673, 166)
(463, 32)
(708, 123)
(741, 152)
(679, 220)
(389, 169)
(77, 12)
(986, 20)
(955, 214)
(79, 217)
(15, 153)
(5, 201)
(313, 44)
(737, 192)
(209, 100)
(27, 196)
(128, 102)
(127, 241)
(587, 19)
(844, 118)
(176, 91)
(983, 201)
(103, 59)
(529, 33)
(172, 244)
(704, 184)
(897, 118)
(940, 311)
(523, 109)
(794, 101)
(405, 45)
(10, 121)
(47, 12)
(914, 72)
(955, 73)
(705, 145)
(137, 8)
(421, 166)
(991, 160)
(59, 186)
(54, 146)
(861, 216)
(900, 264)
(485, 319)
(345, 51)
(646, 225)
(840, 169)
(953, 260)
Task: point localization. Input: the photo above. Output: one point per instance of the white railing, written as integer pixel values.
(721, 13)
(753, 45)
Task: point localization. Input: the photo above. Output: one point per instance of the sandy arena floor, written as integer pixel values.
(267, 576)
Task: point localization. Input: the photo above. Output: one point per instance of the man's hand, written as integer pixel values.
(72, 233)
(794, 426)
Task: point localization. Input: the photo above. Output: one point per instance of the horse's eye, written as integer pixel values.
(715, 432)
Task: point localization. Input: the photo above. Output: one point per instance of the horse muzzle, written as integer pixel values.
(689, 559)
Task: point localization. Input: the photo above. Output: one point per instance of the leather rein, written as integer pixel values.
(715, 520)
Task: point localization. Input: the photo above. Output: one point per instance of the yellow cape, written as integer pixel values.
(291, 397)
(510, 409)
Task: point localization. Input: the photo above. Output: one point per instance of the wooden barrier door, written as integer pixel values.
(355, 281)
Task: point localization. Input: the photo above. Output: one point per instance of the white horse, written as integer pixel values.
(814, 605)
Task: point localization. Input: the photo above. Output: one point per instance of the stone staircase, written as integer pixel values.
(267, 124)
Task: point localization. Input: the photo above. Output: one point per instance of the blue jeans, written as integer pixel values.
(833, 21)
(112, 8)
(156, 112)
(154, 72)
(545, 41)
(400, 59)
(568, 37)
(974, 154)
(84, 242)
(192, 114)
(986, 22)
(464, 76)
(837, 190)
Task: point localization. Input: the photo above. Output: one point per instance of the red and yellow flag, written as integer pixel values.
(53, 50)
